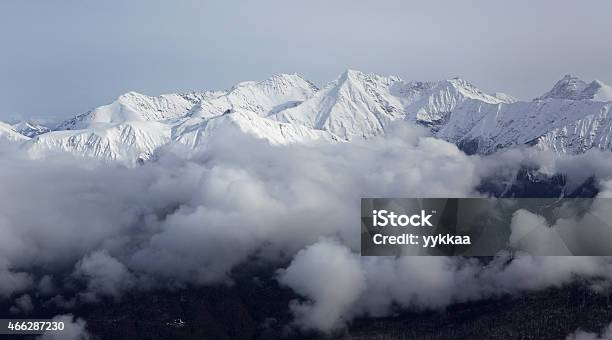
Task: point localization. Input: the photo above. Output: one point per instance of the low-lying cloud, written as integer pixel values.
(190, 219)
(381, 286)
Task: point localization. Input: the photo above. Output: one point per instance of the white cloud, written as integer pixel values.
(385, 285)
(331, 277)
(193, 219)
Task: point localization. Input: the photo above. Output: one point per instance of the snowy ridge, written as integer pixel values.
(134, 126)
(29, 129)
(360, 105)
(248, 122)
(593, 130)
(262, 98)
(355, 104)
(127, 142)
(504, 97)
(133, 106)
(247, 106)
(9, 135)
(572, 117)
(487, 128)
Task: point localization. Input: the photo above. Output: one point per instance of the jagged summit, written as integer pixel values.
(573, 88)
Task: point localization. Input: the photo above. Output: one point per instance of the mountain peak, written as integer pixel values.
(286, 77)
(349, 72)
(573, 88)
(460, 82)
(280, 82)
(131, 94)
(288, 80)
(469, 90)
(351, 76)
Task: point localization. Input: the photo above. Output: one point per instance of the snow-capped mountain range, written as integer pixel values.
(571, 118)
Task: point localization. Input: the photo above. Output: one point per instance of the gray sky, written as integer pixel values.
(63, 57)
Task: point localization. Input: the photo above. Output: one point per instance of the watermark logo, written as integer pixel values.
(383, 218)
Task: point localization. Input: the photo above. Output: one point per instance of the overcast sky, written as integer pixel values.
(60, 58)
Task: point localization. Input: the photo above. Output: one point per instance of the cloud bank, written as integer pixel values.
(79, 231)
(348, 286)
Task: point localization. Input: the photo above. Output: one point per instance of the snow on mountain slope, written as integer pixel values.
(30, 129)
(134, 106)
(126, 142)
(276, 93)
(566, 119)
(9, 135)
(197, 135)
(135, 125)
(262, 98)
(355, 104)
(248, 107)
(603, 92)
(504, 97)
(487, 128)
(360, 105)
(433, 103)
(593, 130)
(573, 88)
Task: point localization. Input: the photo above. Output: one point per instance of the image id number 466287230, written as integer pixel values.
(30, 326)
